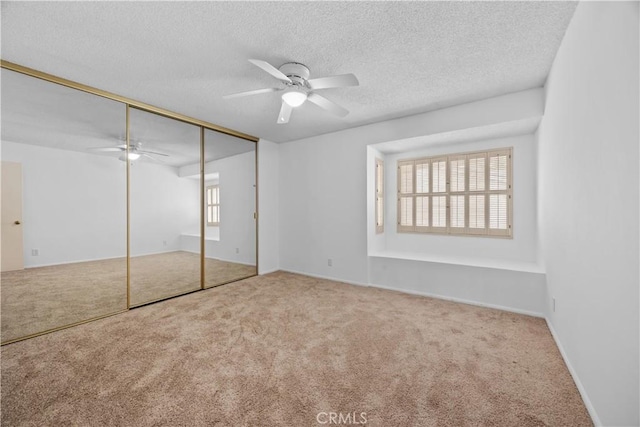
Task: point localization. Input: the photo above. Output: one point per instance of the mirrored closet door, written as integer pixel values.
(63, 206)
(229, 208)
(109, 204)
(165, 188)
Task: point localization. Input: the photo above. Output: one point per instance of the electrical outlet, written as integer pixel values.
(237, 250)
(330, 262)
(35, 252)
(553, 303)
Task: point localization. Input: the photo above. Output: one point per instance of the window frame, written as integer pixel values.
(210, 205)
(429, 194)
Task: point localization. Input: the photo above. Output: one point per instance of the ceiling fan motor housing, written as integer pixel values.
(298, 73)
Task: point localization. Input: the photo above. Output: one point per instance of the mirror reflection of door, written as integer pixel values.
(164, 207)
(11, 203)
(229, 208)
(73, 220)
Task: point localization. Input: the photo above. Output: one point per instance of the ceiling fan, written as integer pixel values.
(135, 152)
(298, 88)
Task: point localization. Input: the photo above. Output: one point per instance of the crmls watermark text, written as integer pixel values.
(350, 418)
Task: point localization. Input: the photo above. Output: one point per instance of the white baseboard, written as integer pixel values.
(424, 294)
(462, 301)
(318, 276)
(273, 270)
(576, 379)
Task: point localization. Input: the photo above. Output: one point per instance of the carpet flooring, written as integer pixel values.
(42, 298)
(288, 350)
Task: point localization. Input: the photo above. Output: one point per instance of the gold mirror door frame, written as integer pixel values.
(129, 105)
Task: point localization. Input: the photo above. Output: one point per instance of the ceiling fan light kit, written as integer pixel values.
(294, 96)
(132, 156)
(298, 88)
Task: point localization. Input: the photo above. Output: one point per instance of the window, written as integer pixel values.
(468, 193)
(379, 196)
(213, 205)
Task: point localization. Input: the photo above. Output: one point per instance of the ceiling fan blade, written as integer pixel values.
(107, 149)
(271, 70)
(143, 152)
(342, 80)
(152, 158)
(330, 106)
(252, 92)
(285, 113)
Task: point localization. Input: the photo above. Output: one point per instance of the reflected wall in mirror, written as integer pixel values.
(164, 207)
(63, 207)
(229, 208)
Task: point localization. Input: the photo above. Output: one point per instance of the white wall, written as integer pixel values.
(237, 230)
(74, 204)
(268, 207)
(323, 206)
(163, 206)
(588, 211)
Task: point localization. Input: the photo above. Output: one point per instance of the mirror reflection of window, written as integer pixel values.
(213, 205)
(230, 205)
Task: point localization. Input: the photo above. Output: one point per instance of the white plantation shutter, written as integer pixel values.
(456, 205)
(379, 196)
(439, 211)
(457, 193)
(477, 195)
(422, 177)
(477, 171)
(457, 175)
(405, 195)
(406, 211)
(438, 194)
(422, 211)
(476, 212)
(439, 168)
(463, 194)
(498, 172)
(406, 178)
(499, 221)
(498, 211)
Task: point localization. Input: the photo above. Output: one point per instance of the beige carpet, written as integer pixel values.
(277, 350)
(38, 299)
(160, 276)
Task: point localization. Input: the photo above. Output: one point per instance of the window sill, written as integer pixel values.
(521, 266)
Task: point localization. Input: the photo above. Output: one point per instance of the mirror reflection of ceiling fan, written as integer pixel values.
(298, 88)
(135, 152)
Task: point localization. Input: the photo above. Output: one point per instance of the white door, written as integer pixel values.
(11, 199)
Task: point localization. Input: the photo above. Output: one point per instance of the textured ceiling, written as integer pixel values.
(410, 57)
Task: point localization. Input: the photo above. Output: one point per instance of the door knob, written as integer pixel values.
(16, 222)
